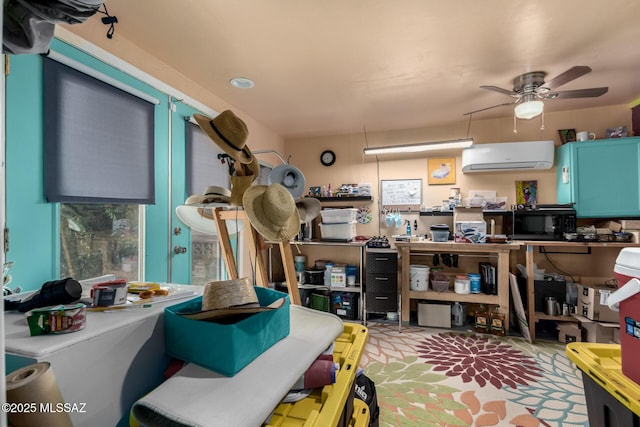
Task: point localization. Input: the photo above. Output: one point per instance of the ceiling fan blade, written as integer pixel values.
(564, 78)
(580, 93)
(488, 108)
(499, 89)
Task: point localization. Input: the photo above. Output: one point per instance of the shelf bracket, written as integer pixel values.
(545, 251)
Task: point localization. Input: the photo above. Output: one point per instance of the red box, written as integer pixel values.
(627, 273)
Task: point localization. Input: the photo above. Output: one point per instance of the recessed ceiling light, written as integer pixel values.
(241, 82)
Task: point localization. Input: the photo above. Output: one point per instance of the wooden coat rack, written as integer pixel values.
(254, 240)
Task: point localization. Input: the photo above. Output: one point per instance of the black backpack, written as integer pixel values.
(365, 390)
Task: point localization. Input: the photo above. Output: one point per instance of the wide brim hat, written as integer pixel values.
(230, 298)
(272, 211)
(290, 178)
(229, 132)
(197, 211)
(308, 209)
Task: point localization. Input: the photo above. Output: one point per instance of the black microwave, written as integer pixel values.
(541, 224)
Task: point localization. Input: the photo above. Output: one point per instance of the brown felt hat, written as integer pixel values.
(229, 132)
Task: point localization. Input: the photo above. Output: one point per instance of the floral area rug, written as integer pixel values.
(436, 377)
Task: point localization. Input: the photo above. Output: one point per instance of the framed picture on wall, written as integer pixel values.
(526, 192)
(442, 170)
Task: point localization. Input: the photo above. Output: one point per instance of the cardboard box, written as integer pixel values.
(569, 332)
(630, 224)
(592, 303)
(434, 315)
(225, 348)
(597, 332)
(614, 226)
(469, 225)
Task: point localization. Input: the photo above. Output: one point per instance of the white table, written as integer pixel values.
(116, 359)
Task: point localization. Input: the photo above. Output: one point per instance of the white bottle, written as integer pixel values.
(457, 314)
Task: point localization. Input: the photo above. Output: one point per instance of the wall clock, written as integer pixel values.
(328, 157)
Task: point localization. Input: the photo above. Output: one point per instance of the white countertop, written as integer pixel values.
(18, 341)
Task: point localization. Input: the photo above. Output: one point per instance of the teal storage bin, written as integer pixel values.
(225, 348)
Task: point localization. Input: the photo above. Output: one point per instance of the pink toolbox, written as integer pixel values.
(627, 300)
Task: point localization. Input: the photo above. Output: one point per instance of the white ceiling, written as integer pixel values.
(326, 67)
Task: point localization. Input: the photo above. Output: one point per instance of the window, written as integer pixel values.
(203, 168)
(99, 165)
(98, 239)
(98, 140)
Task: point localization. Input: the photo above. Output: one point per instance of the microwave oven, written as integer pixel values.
(541, 224)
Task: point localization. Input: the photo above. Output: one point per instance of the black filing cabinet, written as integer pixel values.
(381, 286)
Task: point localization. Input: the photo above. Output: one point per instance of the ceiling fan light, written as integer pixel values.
(529, 109)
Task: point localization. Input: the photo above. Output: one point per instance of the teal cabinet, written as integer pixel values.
(601, 177)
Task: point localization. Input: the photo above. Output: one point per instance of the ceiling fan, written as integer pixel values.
(529, 89)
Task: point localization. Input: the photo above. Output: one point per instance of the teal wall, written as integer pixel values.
(33, 223)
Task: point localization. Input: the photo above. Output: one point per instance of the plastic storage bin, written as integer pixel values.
(331, 405)
(342, 232)
(440, 285)
(439, 233)
(225, 348)
(335, 216)
(613, 400)
(345, 305)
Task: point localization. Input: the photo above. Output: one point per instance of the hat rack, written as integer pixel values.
(254, 240)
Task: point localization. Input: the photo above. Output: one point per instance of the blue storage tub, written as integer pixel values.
(225, 348)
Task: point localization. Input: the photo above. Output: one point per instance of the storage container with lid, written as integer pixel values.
(419, 277)
(462, 284)
(475, 283)
(439, 232)
(440, 282)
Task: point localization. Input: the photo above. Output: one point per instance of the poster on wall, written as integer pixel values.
(526, 192)
(442, 171)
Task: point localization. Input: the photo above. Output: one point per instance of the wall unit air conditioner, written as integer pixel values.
(508, 156)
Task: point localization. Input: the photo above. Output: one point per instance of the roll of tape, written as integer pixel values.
(59, 319)
(34, 394)
(109, 293)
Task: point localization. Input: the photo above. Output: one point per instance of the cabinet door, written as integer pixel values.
(604, 180)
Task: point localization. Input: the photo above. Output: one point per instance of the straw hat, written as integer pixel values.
(212, 194)
(229, 132)
(197, 211)
(308, 209)
(229, 298)
(272, 211)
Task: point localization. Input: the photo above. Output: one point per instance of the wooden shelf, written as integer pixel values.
(573, 244)
(533, 315)
(498, 252)
(543, 316)
(452, 296)
(344, 198)
(450, 213)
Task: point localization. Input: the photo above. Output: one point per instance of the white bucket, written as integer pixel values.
(419, 277)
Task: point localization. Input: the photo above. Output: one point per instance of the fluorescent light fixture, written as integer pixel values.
(417, 148)
(529, 108)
